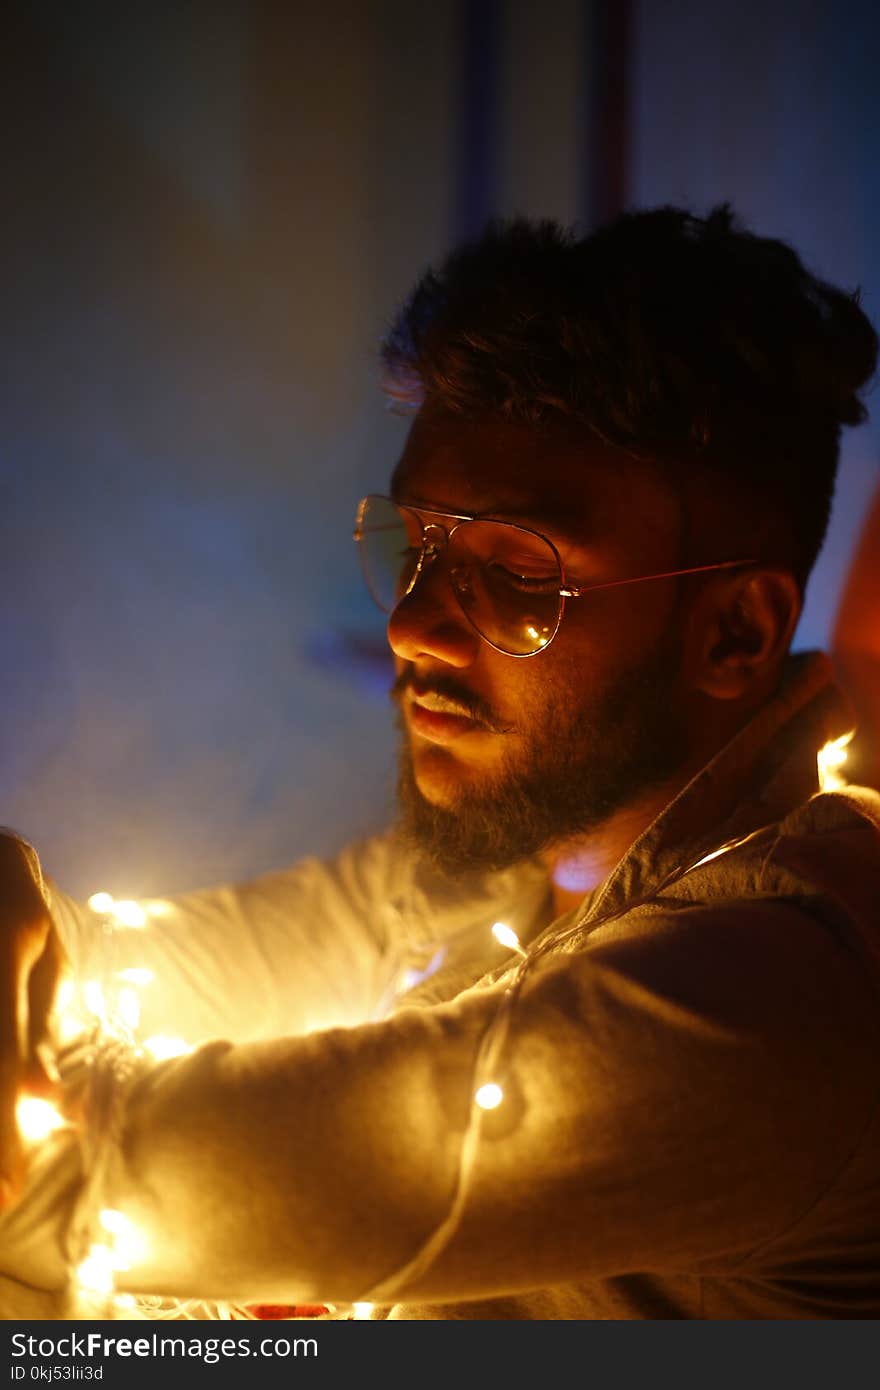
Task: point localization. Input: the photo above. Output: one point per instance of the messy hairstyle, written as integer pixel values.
(684, 340)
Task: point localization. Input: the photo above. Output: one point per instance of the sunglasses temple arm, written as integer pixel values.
(669, 574)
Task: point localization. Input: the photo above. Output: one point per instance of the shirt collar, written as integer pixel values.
(766, 769)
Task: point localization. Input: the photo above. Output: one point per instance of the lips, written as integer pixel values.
(440, 728)
(437, 718)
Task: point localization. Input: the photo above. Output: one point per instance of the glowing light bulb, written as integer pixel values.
(37, 1119)
(362, 1310)
(158, 907)
(506, 936)
(831, 757)
(95, 1274)
(489, 1097)
(162, 1047)
(129, 1246)
(112, 1220)
(136, 975)
(101, 902)
(129, 914)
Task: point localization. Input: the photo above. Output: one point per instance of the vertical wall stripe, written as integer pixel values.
(607, 110)
(543, 141)
(478, 122)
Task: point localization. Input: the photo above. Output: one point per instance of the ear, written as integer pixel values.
(743, 627)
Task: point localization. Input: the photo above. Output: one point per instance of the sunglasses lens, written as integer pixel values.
(389, 545)
(507, 581)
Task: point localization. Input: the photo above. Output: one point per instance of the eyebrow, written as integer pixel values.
(522, 516)
(519, 515)
(562, 539)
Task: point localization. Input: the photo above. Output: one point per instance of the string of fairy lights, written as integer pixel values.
(108, 1014)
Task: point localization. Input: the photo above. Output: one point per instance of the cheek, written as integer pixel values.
(605, 633)
(542, 687)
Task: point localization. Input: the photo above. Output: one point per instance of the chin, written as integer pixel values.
(439, 776)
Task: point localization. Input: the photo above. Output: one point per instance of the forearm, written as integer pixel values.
(636, 1132)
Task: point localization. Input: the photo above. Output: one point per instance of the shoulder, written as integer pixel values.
(827, 853)
(779, 935)
(808, 883)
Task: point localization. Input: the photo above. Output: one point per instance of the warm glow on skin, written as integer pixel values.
(610, 516)
(604, 525)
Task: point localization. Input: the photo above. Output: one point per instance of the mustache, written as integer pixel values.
(469, 704)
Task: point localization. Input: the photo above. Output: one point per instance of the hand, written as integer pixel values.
(31, 963)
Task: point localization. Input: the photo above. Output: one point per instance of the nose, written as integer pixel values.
(428, 622)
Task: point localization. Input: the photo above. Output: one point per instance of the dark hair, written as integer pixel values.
(682, 339)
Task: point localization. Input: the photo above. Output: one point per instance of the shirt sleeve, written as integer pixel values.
(305, 948)
(671, 1103)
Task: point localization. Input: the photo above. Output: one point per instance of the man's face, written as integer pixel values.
(504, 757)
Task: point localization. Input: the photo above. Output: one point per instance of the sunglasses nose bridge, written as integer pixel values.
(435, 539)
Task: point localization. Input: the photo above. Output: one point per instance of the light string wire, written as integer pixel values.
(488, 1068)
(112, 1054)
(100, 1059)
(112, 1069)
(111, 1066)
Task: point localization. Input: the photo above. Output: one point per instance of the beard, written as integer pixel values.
(585, 763)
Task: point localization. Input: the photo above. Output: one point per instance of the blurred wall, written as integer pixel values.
(210, 212)
(774, 107)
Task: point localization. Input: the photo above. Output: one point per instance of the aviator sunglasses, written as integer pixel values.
(508, 580)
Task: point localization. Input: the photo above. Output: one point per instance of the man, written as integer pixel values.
(653, 1092)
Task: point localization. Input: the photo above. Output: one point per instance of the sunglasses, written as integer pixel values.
(508, 580)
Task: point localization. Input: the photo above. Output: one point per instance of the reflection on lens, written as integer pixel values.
(506, 578)
(507, 581)
(389, 554)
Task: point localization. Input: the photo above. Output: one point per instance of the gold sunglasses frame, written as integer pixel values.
(429, 552)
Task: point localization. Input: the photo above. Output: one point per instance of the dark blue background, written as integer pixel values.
(210, 210)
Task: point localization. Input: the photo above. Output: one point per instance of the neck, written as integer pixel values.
(578, 865)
